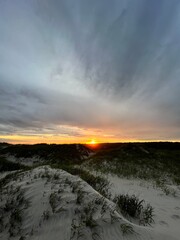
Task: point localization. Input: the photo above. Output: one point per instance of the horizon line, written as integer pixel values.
(86, 143)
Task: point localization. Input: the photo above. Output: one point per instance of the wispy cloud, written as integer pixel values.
(107, 66)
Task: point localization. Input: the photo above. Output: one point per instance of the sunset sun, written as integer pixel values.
(92, 142)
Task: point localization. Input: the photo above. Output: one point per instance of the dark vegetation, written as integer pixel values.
(158, 161)
(12, 209)
(155, 161)
(67, 153)
(6, 165)
(129, 205)
(135, 208)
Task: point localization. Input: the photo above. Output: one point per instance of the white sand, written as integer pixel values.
(67, 212)
(166, 207)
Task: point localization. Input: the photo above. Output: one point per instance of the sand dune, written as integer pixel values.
(46, 203)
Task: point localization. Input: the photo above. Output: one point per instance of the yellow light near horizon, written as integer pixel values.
(92, 142)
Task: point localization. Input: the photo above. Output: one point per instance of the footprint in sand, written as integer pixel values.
(163, 223)
(175, 216)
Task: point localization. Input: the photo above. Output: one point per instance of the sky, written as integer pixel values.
(72, 71)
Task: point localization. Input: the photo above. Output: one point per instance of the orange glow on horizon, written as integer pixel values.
(92, 142)
(62, 139)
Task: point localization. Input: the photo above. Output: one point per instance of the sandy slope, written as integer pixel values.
(166, 207)
(47, 203)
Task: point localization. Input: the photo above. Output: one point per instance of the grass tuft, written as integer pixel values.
(133, 207)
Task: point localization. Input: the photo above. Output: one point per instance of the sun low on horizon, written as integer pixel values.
(92, 142)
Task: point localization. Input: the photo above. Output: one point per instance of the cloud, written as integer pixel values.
(111, 66)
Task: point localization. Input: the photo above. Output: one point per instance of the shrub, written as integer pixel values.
(53, 201)
(130, 205)
(133, 207)
(80, 196)
(147, 215)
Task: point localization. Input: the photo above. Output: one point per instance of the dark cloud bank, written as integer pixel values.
(111, 65)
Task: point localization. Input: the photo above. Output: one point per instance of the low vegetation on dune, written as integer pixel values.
(63, 196)
(98, 182)
(129, 206)
(149, 161)
(54, 153)
(68, 186)
(12, 206)
(6, 165)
